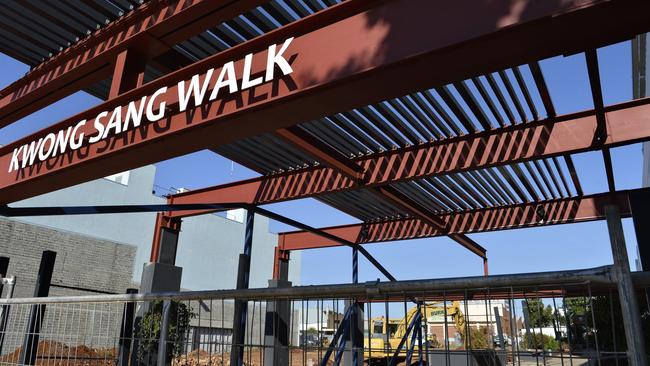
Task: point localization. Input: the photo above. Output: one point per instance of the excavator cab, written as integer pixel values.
(386, 334)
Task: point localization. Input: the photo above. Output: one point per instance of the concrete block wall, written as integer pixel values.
(81, 261)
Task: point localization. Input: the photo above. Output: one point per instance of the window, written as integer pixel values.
(121, 178)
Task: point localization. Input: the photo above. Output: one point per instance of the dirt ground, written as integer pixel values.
(203, 358)
(59, 354)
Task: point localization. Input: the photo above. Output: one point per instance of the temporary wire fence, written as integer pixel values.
(556, 318)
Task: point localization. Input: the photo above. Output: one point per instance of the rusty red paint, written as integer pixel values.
(378, 59)
(627, 123)
(562, 211)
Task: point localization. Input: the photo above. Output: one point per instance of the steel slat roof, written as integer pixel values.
(483, 102)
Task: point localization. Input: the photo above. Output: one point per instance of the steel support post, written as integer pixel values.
(165, 239)
(241, 307)
(126, 330)
(640, 206)
(37, 312)
(161, 274)
(628, 297)
(497, 318)
(278, 316)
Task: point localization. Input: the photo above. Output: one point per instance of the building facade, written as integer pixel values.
(208, 248)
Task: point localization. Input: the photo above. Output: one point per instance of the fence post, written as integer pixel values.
(162, 341)
(629, 305)
(37, 312)
(277, 320)
(4, 309)
(126, 331)
(4, 266)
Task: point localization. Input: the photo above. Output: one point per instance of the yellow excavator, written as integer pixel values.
(393, 330)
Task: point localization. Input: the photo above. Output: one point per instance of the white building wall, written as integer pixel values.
(209, 245)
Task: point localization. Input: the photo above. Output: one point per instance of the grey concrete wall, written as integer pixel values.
(132, 229)
(209, 245)
(81, 261)
(209, 248)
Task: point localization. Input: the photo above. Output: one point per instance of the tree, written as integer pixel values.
(577, 305)
(538, 315)
(478, 338)
(539, 341)
(150, 326)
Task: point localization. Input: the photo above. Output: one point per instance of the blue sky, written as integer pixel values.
(526, 250)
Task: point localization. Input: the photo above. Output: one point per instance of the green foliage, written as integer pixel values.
(539, 341)
(608, 320)
(478, 338)
(311, 330)
(577, 305)
(150, 324)
(538, 315)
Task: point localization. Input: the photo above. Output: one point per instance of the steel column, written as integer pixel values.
(278, 315)
(626, 293)
(497, 317)
(280, 264)
(37, 312)
(241, 307)
(640, 206)
(165, 239)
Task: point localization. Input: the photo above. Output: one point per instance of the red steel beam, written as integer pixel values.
(553, 212)
(376, 55)
(332, 158)
(627, 123)
(152, 28)
(427, 217)
(322, 152)
(128, 72)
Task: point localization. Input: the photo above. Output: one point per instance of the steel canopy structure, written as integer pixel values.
(418, 118)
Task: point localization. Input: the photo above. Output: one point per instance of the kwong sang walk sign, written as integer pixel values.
(201, 88)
